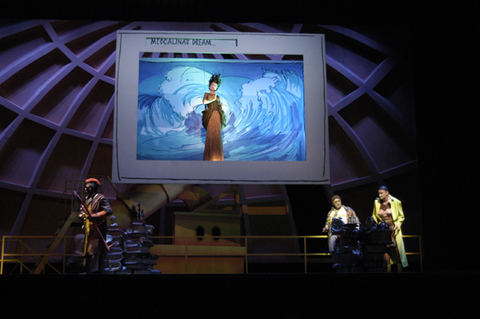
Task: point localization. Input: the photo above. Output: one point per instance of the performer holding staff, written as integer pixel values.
(94, 212)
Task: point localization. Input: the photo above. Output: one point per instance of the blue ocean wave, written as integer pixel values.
(265, 115)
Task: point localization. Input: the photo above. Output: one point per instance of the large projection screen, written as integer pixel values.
(273, 92)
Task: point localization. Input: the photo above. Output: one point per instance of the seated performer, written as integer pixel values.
(338, 210)
(213, 120)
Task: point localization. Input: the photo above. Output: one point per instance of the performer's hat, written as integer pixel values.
(93, 180)
(335, 197)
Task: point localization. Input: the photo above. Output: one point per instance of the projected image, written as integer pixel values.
(261, 103)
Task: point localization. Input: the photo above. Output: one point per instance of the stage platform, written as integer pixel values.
(241, 296)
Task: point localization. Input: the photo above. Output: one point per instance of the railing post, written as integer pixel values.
(305, 251)
(420, 247)
(246, 255)
(186, 256)
(3, 252)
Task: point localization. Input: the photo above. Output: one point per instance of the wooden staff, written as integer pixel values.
(87, 212)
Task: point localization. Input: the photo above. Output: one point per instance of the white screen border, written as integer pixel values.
(127, 169)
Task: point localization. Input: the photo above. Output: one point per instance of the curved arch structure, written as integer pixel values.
(56, 107)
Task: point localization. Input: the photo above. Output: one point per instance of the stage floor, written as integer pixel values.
(241, 296)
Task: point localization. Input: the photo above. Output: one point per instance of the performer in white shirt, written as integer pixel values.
(338, 210)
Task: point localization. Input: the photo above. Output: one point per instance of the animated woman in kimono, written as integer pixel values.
(213, 120)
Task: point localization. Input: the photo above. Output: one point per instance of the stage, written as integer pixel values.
(444, 55)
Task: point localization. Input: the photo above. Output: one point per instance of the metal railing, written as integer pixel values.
(24, 256)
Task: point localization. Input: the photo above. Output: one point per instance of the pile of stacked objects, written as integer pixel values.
(360, 249)
(130, 253)
(348, 254)
(375, 240)
(138, 242)
(115, 239)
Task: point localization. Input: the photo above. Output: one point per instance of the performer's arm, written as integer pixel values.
(400, 217)
(327, 223)
(206, 99)
(99, 214)
(104, 209)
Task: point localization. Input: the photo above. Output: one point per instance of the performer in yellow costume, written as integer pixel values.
(389, 209)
